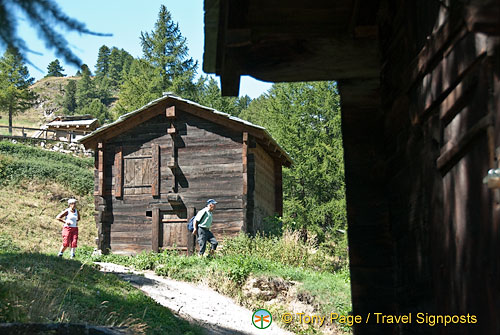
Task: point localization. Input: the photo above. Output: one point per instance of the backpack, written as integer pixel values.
(190, 224)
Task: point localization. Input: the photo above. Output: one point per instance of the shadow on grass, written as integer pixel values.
(40, 288)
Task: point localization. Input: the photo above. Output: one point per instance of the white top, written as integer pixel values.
(71, 219)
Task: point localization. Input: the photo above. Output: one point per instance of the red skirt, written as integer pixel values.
(70, 236)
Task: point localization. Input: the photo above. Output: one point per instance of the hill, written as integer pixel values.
(51, 92)
(35, 186)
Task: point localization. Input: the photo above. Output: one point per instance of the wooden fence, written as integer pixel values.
(36, 133)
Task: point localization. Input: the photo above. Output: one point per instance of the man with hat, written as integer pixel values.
(201, 224)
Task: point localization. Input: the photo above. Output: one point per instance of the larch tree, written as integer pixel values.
(165, 66)
(54, 69)
(102, 65)
(304, 118)
(69, 99)
(166, 49)
(209, 94)
(15, 81)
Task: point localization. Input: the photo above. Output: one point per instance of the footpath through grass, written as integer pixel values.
(42, 288)
(284, 286)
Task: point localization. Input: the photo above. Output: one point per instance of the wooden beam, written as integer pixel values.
(172, 164)
(244, 159)
(155, 162)
(155, 238)
(100, 169)
(451, 150)
(170, 112)
(119, 172)
(174, 198)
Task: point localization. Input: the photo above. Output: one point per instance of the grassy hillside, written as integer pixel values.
(38, 286)
(50, 92)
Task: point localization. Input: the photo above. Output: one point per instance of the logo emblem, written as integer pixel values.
(262, 319)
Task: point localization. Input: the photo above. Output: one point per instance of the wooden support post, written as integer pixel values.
(100, 169)
(155, 238)
(191, 239)
(155, 184)
(244, 160)
(119, 172)
(172, 162)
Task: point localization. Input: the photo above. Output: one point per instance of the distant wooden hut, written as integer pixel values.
(156, 166)
(69, 128)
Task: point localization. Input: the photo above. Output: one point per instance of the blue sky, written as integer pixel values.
(125, 19)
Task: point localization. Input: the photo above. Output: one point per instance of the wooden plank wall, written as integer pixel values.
(422, 229)
(210, 161)
(264, 192)
(209, 165)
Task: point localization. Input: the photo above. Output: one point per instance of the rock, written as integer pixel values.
(265, 288)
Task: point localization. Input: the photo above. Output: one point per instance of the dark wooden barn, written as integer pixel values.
(156, 166)
(420, 90)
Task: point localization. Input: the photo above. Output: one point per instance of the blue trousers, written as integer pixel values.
(204, 236)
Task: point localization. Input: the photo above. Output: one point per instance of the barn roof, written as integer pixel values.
(74, 123)
(310, 40)
(153, 108)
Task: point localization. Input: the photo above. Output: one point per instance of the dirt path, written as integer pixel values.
(214, 312)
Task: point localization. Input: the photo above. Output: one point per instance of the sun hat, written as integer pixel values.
(211, 201)
(71, 201)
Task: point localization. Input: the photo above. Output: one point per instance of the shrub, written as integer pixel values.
(289, 249)
(26, 151)
(19, 162)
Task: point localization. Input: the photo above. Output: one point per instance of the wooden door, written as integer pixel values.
(174, 231)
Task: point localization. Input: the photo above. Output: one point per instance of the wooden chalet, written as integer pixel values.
(419, 83)
(69, 128)
(156, 166)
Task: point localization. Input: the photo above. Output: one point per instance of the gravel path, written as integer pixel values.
(212, 311)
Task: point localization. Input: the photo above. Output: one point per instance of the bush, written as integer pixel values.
(289, 249)
(26, 151)
(19, 162)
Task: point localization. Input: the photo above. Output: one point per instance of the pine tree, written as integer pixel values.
(96, 109)
(69, 100)
(210, 95)
(119, 64)
(102, 65)
(85, 89)
(165, 57)
(15, 94)
(304, 118)
(54, 69)
(141, 84)
(166, 49)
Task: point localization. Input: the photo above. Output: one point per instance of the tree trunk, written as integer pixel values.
(10, 120)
